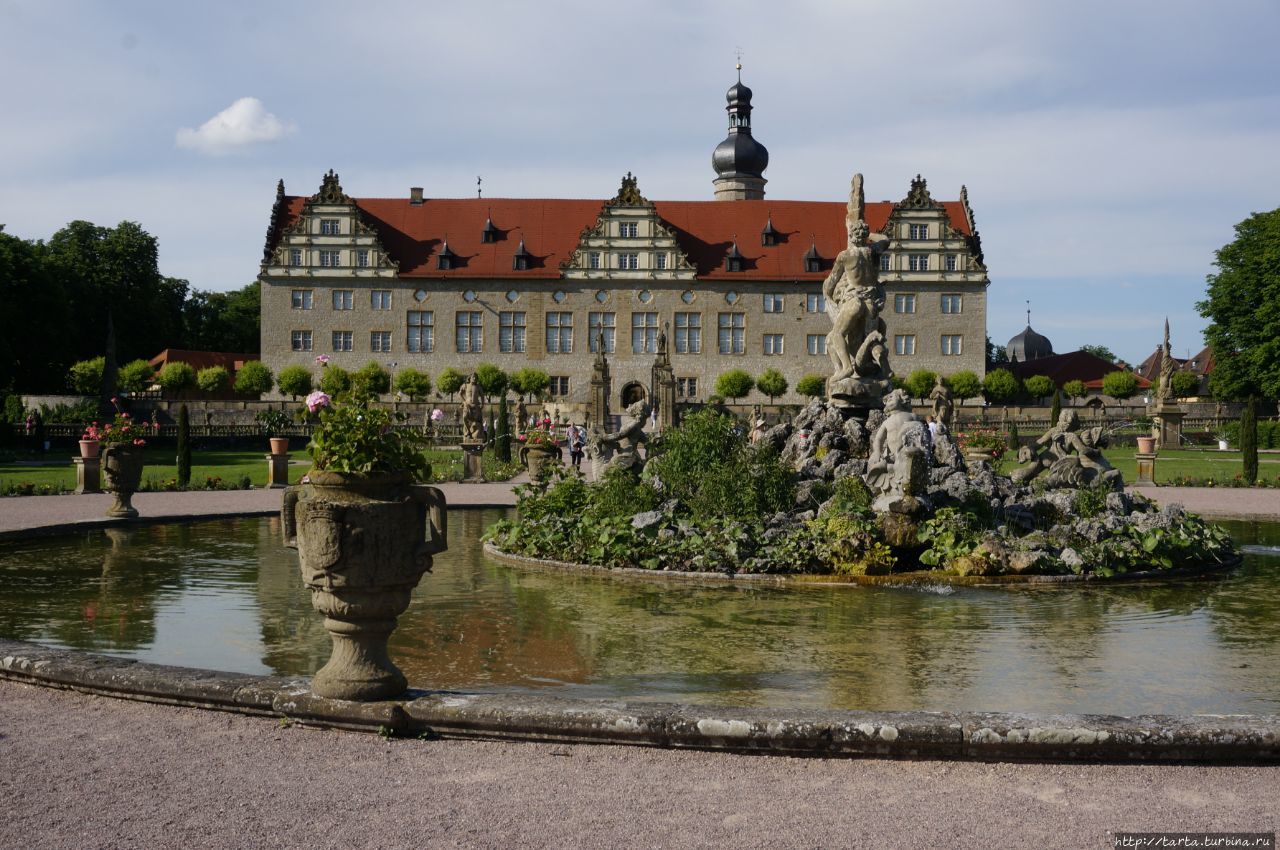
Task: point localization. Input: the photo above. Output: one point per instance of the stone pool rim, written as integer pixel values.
(915, 578)
(982, 736)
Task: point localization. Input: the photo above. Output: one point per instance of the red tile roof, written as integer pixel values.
(552, 228)
(1072, 366)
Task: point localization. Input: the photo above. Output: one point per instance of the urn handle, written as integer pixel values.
(288, 517)
(437, 517)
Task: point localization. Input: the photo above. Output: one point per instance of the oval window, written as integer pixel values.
(559, 296)
(469, 296)
(602, 296)
(731, 297)
(687, 296)
(645, 296)
(512, 295)
(420, 295)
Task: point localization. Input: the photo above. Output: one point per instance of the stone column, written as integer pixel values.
(472, 468)
(1146, 469)
(88, 474)
(277, 471)
(1167, 428)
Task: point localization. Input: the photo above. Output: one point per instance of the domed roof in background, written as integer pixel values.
(1028, 345)
(739, 154)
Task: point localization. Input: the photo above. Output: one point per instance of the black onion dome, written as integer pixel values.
(1028, 345)
(738, 92)
(740, 154)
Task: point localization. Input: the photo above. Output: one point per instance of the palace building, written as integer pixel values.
(734, 282)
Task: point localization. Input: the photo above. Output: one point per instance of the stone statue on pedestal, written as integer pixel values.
(898, 463)
(1072, 457)
(472, 412)
(620, 448)
(855, 298)
(943, 406)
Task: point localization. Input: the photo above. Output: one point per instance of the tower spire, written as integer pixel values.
(739, 161)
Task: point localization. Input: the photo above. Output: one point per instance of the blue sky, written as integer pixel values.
(1108, 148)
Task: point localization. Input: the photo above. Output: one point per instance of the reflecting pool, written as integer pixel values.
(226, 595)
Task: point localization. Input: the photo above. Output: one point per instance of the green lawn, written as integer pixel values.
(229, 466)
(1193, 463)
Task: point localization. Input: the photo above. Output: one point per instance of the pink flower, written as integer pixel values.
(322, 359)
(139, 442)
(317, 400)
(437, 415)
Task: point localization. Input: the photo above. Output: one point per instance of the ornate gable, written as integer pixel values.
(329, 238)
(628, 241)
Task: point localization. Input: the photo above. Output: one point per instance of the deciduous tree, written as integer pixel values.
(772, 383)
(734, 384)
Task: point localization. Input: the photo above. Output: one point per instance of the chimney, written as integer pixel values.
(415, 195)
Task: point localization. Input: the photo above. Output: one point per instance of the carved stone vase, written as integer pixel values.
(536, 457)
(975, 456)
(363, 543)
(122, 469)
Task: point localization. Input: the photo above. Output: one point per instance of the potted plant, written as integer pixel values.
(91, 441)
(1146, 444)
(537, 447)
(274, 422)
(122, 440)
(365, 528)
(982, 445)
(1224, 443)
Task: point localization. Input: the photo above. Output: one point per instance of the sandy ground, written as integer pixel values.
(81, 771)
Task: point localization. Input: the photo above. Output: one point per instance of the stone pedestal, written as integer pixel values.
(278, 471)
(88, 474)
(472, 468)
(1168, 426)
(1146, 470)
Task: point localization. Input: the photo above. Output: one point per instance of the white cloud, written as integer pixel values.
(245, 122)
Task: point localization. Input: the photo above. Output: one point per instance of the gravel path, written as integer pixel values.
(81, 771)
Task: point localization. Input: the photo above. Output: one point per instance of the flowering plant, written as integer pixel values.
(983, 440)
(437, 415)
(538, 438)
(273, 422)
(121, 430)
(356, 438)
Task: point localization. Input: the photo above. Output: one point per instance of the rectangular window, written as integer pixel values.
(687, 387)
(952, 304)
(950, 262)
(328, 227)
(511, 332)
(952, 344)
(688, 333)
(330, 259)
(815, 302)
(601, 323)
(421, 335)
(918, 262)
(644, 333)
(773, 303)
(660, 261)
(904, 303)
(470, 337)
(295, 256)
(816, 343)
(560, 333)
(593, 260)
(300, 340)
(559, 385)
(918, 231)
(380, 341)
(362, 258)
(628, 261)
(773, 343)
(884, 262)
(301, 299)
(380, 299)
(732, 333)
(343, 299)
(342, 340)
(904, 344)
(627, 229)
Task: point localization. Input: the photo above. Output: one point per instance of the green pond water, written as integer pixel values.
(226, 595)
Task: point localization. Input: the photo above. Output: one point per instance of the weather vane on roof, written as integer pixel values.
(478, 181)
(1028, 312)
(738, 51)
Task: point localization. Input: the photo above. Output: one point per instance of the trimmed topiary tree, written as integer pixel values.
(371, 380)
(1055, 410)
(502, 442)
(135, 376)
(334, 380)
(213, 379)
(964, 385)
(1000, 385)
(811, 385)
(413, 383)
(294, 381)
(176, 377)
(1120, 384)
(1185, 384)
(255, 379)
(491, 380)
(772, 383)
(85, 377)
(1249, 442)
(734, 384)
(1013, 440)
(920, 383)
(1039, 386)
(1075, 388)
(184, 447)
(450, 381)
(530, 382)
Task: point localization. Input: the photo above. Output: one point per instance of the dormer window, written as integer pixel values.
(812, 260)
(733, 260)
(446, 259)
(520, 260)
(769, 236)
(490, 233)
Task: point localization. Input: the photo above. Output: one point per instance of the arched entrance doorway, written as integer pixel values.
(633, 392)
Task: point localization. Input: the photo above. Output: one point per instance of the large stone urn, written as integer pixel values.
(363, 543)
(122, 469)
(536, 457)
